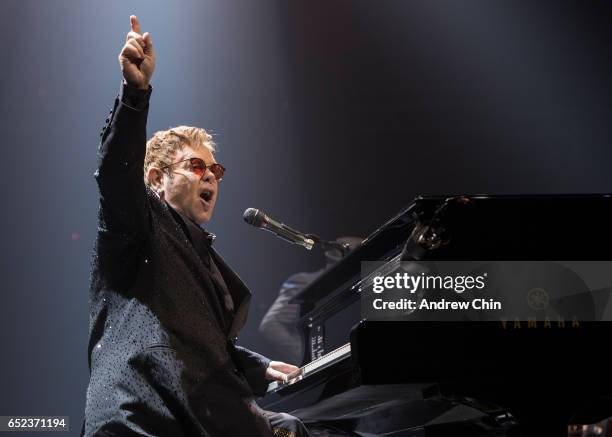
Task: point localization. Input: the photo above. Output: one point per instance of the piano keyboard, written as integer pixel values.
(313, 367)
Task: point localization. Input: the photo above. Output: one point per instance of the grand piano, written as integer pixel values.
(417, 377)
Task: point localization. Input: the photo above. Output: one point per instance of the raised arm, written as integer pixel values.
(122, 148)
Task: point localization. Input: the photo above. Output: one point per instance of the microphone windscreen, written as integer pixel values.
(254, 217)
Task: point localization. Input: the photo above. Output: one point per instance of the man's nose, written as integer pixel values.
(208, 176)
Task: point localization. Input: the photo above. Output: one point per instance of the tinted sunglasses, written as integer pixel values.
(198, 167)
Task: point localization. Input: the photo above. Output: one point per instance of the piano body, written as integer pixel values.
(427, 378)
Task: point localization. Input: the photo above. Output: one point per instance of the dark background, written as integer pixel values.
(330, 116)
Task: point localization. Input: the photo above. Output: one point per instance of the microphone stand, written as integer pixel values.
(328, 245)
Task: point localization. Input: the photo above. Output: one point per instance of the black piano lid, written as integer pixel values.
(488, 227)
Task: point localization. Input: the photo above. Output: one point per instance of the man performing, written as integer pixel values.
(164, 307)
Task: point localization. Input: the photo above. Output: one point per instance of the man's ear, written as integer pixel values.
(155, 176)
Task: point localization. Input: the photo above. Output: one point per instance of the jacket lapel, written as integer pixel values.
(239, 291)
(172, 218)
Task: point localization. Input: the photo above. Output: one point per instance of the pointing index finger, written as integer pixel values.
(135, 24)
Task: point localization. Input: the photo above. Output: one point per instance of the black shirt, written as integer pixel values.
(202, 241)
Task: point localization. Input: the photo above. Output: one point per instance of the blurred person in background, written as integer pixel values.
(279, 324)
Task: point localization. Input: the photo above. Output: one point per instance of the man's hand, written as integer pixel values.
(137, 57)
(279, 371)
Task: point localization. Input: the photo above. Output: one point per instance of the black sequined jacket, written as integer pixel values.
(162, 361)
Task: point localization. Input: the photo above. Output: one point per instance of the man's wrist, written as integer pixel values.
(135, 98)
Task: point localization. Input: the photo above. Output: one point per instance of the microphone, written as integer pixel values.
(258, 219)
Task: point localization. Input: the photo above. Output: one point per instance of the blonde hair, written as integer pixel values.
(163, 145)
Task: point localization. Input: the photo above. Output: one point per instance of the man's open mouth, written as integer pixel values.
(206, 195)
